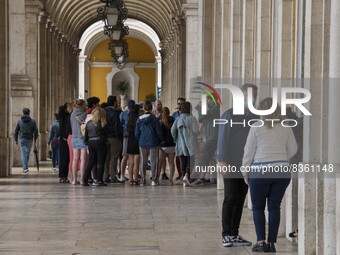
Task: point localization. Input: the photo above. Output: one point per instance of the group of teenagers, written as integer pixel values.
(148, 132)
(98, 139)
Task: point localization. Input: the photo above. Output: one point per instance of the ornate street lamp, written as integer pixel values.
(114, 14)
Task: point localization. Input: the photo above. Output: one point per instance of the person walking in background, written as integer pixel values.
(230, 148)
(167, 148)
(63, 134)
(95, 138)
(78, 117)
(114, 136)
(149, 135)
(132, 150)
(185, 134)
(53, 141)
(26, 132)
(268, 145)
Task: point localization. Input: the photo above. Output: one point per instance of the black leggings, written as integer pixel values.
(64, 158)
(186, 163)
(97, 155)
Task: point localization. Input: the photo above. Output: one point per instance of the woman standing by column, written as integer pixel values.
(78, 117)
(268, 146)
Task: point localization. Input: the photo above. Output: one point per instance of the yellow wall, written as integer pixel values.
(147, 82)
(98, 85)
(139, 52)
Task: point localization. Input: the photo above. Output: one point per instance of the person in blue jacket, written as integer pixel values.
(149, 135)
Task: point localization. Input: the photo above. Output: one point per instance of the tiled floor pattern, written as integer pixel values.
(40, 216)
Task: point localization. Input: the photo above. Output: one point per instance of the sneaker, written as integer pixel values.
(226, 241)
(122, 178)
(54, 170)
(186, 181)
(116, 180)
(198, 182)
(165, 177)
(153, 183)
(260, 247)
(240, 241)
(25, 171)
(271, 247)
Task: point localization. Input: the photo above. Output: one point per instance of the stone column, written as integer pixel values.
(42, 78)
(5, 138)
(248, 62)
(21, 87)
(263, 46)
(331, 219)
(193, 55)
(311, 190)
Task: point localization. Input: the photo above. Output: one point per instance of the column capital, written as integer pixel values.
(190, 9)
(43, 17)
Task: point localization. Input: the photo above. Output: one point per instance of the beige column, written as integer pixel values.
(248, 24)
(42, 81)
(20, 84)
(331, 236)
(193, 37)
(5, 138)
(311, 189)
(263, 46)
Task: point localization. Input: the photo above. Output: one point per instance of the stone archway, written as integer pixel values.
(129, 75)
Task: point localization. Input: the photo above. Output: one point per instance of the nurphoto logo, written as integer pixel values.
(239, 102)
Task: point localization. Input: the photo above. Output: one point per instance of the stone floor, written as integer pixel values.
(40, 216)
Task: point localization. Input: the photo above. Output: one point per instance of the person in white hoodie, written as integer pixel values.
(269, 147)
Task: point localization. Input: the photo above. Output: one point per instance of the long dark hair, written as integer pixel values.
(133, 116)
(62, 114)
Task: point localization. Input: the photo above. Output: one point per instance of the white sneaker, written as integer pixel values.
(54, 170)
(25, 171)
(186, 181)
(122, 178)
(153, 183)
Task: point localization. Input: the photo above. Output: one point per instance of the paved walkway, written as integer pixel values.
(40, 216)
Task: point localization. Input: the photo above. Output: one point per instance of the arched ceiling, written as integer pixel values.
(74, 16)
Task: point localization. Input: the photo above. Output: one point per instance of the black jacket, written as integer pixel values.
(113, 127)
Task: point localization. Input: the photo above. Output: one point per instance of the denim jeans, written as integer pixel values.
(55, 154)
(25, 149)
(270, 190)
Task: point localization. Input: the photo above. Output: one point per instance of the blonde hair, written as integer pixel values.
(99, 116)
(79, 103)
(266, 104)
(164, 117)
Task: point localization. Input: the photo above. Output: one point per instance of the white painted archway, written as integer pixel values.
(94, 35)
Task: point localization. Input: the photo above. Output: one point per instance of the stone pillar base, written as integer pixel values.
(5, 157)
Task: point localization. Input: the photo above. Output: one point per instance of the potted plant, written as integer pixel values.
(122, 88)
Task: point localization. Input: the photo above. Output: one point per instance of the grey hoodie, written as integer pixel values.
(78, 117)
(185, 134)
